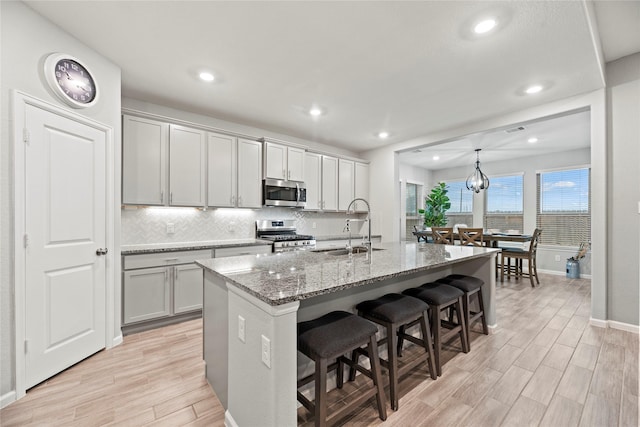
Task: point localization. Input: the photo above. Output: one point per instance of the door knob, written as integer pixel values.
(101, 251)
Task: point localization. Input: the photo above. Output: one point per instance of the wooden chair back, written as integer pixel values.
(533, 245)
(471, 236)
(442, 235)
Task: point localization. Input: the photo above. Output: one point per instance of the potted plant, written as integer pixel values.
(435, 206)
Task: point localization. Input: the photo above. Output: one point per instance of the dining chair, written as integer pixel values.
(519, 255)
(415, 233)
(471, 236)
(442, 235)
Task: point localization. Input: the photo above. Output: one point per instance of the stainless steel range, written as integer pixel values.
(282, 232)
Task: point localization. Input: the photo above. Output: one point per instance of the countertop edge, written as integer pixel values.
(190, 246)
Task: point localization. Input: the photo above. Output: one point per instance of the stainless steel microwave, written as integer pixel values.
(284, 193)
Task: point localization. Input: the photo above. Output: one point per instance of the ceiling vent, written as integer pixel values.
(512, 130)
(417, 150)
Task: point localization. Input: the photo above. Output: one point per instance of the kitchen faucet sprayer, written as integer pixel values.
(368, 219)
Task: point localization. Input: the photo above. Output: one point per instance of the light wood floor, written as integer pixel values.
(544, 366)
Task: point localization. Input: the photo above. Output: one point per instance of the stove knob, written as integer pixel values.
(295, 243)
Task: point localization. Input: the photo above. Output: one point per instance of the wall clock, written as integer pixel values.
(71, 80)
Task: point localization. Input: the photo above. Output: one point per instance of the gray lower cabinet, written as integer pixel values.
(160, 286)
(146, 294)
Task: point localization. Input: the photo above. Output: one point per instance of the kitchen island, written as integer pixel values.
(252, 305)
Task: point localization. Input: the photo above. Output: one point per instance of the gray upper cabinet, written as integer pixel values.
(144, 161)
(222, 170)
(249, 174)
(346, 183)
(313, 180)
(283, 162)
(187, 166)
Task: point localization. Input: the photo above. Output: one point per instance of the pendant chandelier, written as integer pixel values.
(477, 180)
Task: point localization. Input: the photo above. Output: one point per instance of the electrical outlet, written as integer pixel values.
(241, 328)
(171, 228)
(313, 225)
(557, 258)
(266, 351)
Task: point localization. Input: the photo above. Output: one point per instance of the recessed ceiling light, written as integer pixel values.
(207, 77)
(484, 26)
(315, 111)
(383, 135)
(532, 140)
(436, 157)
(533, 89)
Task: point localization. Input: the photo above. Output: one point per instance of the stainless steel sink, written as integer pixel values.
(355, 249)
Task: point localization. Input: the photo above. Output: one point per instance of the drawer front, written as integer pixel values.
(164, 258)
(243, 250)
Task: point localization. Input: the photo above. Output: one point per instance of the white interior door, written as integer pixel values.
(65, 183)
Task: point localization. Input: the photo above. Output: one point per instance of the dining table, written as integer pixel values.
(489, 239)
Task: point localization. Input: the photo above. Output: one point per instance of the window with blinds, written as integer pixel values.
(564, 207)
(504, 204)
(461, 211)
(413, 200)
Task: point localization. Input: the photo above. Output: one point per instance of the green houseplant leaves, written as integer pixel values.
(436, 205)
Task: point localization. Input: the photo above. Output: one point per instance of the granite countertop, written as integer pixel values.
(284, 277)
(189, 246)
(344, 236)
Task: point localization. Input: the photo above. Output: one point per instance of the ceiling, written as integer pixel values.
(553, 135)
(408, 68)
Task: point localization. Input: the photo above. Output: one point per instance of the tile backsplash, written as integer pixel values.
(149, 225)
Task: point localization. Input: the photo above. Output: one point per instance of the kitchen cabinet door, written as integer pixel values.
(146, 294)
(222, 170)
(346, 188)
(187, 288)
(249, 174)
(187, 163)
(361, 185)
(295, 164)
(275, 161)
(329, 183)
(313, 180)
(144, 161)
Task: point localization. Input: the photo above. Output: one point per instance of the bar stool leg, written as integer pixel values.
(435, 325)
(376, 373)
(392, 344)
(463, 330)
(428, 344)
(483, 318)
(320, 414)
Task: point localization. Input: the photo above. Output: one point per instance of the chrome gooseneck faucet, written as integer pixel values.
(350, 211)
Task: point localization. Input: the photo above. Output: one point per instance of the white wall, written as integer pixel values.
(528, 166)
(623, 133)
(26, 39)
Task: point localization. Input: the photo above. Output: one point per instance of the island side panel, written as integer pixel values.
(261, 395)
(215, 335)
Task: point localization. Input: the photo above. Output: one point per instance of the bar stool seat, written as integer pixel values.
(471, 286)
(440, 296)
(395, 312)
(330, 337)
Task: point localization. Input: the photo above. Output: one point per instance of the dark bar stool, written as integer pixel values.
(393, 312)
(470, 286)
(327, 338)
(440, 297)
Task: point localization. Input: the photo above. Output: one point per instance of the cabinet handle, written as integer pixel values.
(170, 259)
(175, 274)
(171, 197)
(284, 173)
(239, 200)
(162, 196)
(166, 276)
(289, 176)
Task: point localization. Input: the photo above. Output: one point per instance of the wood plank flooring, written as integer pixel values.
(544, 366)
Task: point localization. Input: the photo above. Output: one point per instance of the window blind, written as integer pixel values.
(504, 204)
(564, 206)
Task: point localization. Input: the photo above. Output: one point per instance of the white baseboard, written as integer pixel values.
(599, 323)
(117, 341)
(7, 398)
(228, 420)
(624, 326)
(615, 325)
(562, 273)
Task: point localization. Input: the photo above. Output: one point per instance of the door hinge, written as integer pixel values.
(26, 241)
(25, 136)
(26, 346)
